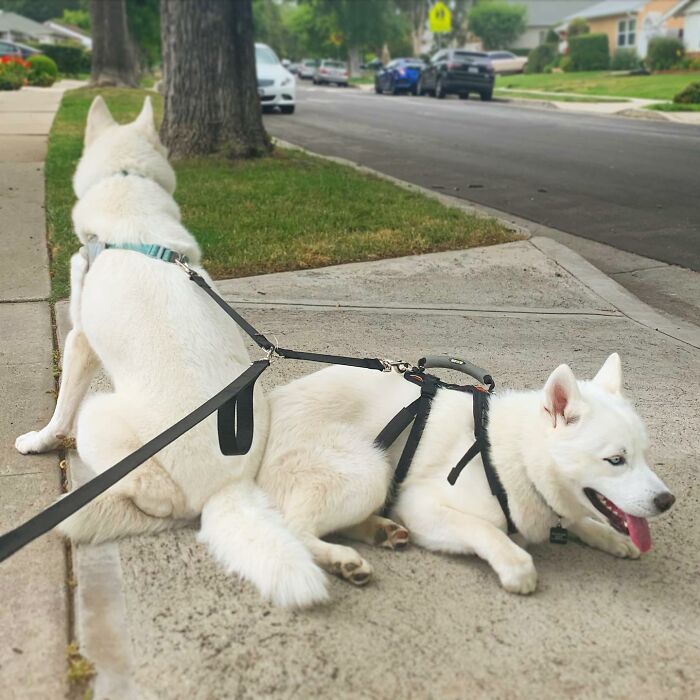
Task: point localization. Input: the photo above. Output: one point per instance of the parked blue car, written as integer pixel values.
(401, 75)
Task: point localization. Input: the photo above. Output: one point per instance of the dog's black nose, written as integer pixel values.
(664, 501)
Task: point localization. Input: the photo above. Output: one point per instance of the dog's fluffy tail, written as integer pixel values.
(110, 517)
(247, 536)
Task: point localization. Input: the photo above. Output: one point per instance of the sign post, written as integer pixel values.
(440, 19)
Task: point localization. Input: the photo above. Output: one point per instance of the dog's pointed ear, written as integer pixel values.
(561, 393)
(146, 121)
(99, 118)
(609, 376)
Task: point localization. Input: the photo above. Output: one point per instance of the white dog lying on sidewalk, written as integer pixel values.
(166, 348)
(573, 454)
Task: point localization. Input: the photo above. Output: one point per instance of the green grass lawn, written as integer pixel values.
(284, 212)
(654, 87)
(673, 107)
(506, 94)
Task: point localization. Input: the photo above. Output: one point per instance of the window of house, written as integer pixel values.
(627, 32)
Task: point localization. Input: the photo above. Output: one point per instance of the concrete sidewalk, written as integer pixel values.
(160, 620)
(35, 612)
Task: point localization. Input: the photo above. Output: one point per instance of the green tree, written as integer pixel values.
(41, 10)
(357, 25)
(498, 24)
(577, 27)
(144, 27)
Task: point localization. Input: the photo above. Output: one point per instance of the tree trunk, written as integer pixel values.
(113, 56)
(354, 61)
(211, 95)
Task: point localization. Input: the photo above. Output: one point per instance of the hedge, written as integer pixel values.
(71, 60)
(589, 52)
(42, 70)
(664, 53)
(625, 59)
(689, 95)
(540, 57)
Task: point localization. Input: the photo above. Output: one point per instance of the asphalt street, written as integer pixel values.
(632, 184)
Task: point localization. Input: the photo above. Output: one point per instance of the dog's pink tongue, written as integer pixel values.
(639, 532)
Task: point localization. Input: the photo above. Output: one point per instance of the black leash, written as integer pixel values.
(73, 501)
(235, 425)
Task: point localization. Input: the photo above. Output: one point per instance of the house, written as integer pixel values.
(629, 24)
(69, 32)
(543, 15)
(14, 27)
(689, 10)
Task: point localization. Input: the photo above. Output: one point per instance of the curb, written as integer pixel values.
(597, 281)
(616, 295)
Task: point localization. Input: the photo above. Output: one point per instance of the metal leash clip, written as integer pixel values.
(183, 265)
(400, 366)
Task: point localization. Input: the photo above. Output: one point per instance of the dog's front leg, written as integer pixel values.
(79, 365)
(448, 530)
(602, 536)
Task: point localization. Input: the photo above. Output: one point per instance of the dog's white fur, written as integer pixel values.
(166, 348)
(323, 471)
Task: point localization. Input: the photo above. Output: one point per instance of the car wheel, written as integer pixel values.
(377, 89)
(463, 95)
(439, 89)
(287, 109)
(486, 96)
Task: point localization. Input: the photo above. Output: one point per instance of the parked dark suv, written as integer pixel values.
(458, 72)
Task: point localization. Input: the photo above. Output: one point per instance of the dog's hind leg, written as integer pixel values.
(146, 500)
(339, 560)
(79, 366)
(378, 531)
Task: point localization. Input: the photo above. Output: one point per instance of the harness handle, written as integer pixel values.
(460, 365)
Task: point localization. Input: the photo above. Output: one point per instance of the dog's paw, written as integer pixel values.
(35, 442)
(620, 546)
(392, 536)
(357, 572)
(519, 577)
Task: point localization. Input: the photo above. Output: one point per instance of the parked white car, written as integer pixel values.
(506, 63)
(276, 85)
(307, 68)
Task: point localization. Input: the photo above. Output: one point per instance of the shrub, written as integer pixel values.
(69, 58)
(625, 59)
(589, 52)
(690, 95)
(664, 53)
(540, 57)
(565, 63)
(13, 72)
(577, 27)
(42, 71)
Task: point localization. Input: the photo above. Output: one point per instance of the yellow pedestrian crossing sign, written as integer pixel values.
(440, 18)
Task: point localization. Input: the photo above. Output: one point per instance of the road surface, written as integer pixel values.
(629, 183)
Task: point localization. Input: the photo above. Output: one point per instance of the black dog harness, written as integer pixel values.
(234, 405)
(417, 413)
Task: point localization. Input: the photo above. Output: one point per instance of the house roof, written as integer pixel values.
(679, 8)
(547, 13)
(608, 8)
(12, 22)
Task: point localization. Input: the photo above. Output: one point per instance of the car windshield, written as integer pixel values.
(309, 62)
(334, 64)
(470, 54)
(265, 56)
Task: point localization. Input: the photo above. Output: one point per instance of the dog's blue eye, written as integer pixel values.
(616, 461)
